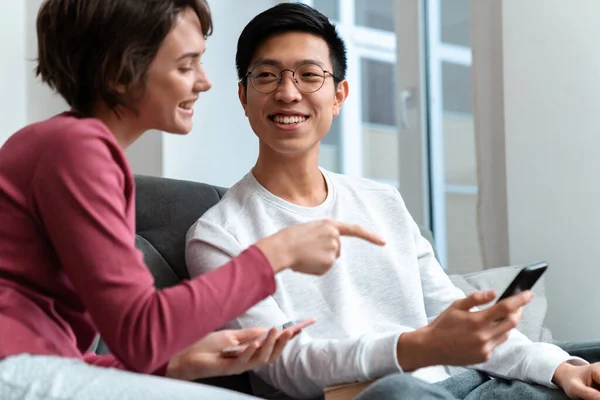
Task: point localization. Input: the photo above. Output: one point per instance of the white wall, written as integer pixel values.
(145, 156)
(221, 148)
(552, 107)
(42, 103)
(12, 71)
(23, 99)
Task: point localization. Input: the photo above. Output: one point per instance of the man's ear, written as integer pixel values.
(341, 93)
(242, 95)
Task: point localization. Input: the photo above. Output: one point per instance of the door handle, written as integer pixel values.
(406, 97)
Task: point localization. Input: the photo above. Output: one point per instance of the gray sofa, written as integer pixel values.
(166, 208)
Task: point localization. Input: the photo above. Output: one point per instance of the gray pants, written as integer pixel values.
(27, 377)
(470, 385)
(404, 387)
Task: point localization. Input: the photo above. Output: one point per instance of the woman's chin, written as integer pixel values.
(179, 129)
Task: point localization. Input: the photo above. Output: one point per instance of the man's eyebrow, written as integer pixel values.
(310, 61)
(275, 63)
(267, 61)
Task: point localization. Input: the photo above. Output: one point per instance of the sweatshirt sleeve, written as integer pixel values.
(110, 361)
(438, 290)
(107, 361)
(307, 365)
(517, 358)
(79, 192)
(520, 358)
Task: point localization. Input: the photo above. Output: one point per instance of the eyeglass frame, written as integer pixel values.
(280, 80)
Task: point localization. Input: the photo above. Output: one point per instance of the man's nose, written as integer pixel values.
(287, 90)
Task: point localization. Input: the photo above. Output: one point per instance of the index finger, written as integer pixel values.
(509, 305)
(475, 299)
(359, 232)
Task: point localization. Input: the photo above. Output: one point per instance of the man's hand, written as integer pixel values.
(203, 359)
(462, 337)
(578, 382)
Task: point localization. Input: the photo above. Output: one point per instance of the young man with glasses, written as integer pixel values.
(379, 310)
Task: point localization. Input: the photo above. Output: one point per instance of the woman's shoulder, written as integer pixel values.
(59, 134)
(68, 144)
(69, 128)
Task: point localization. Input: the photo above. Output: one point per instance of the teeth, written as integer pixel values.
(186, 106)
(288, 120)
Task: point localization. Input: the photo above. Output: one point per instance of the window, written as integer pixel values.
(452, 135)
(375, 14)
(363, 139)
(409, 119)
(377, 88)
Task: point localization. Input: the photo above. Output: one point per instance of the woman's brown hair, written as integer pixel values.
(88, 48)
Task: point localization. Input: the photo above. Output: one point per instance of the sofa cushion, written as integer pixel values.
(163, 274)
(532, 324)
(165, 210)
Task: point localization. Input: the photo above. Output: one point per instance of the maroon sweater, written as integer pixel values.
(68, 263)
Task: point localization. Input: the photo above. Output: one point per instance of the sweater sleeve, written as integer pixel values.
(79, 192)
(110, 361)
(438, 290)
(307, 365)
(107, 361)
(517, 358)
(520, 358)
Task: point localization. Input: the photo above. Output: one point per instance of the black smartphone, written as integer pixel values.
(524, 280)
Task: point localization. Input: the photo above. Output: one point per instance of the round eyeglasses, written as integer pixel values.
(308, 78)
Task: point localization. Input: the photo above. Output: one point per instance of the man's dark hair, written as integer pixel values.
(87, 47)
(284, 18)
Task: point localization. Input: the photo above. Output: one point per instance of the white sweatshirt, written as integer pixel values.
(370, 296)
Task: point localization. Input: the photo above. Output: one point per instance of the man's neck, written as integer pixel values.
(298, 180)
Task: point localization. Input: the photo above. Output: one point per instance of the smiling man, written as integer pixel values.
(380, 310)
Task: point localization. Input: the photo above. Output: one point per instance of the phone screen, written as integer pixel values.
(524, 280)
